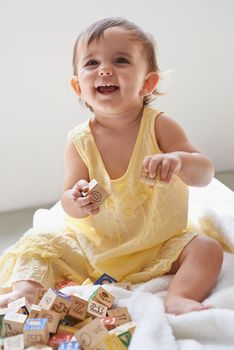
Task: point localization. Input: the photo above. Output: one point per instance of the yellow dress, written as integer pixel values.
(138, 234)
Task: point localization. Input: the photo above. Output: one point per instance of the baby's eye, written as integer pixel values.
(92, 63)
(121, 60)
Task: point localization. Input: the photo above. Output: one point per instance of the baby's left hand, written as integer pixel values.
(163, 165)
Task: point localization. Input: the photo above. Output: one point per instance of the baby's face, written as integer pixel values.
(112, 71)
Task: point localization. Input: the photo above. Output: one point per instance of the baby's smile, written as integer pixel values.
(107, 88)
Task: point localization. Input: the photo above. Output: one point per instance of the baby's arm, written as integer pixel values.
(75, 181)
(179, 156)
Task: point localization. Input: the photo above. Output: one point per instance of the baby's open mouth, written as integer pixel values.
(107, 88)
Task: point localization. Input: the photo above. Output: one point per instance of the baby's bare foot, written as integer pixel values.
(5, 299)
(178, 305)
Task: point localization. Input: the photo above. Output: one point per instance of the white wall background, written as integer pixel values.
(38, 107)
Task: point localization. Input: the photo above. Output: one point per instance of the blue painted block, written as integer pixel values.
(73, 345)
(105, 279)
(35, 324)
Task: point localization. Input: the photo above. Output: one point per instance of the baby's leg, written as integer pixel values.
(196, 271)
(20, 289)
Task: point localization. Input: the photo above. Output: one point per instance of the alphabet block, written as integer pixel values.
(153, 181)
(105, 279)
(36, 331)
(78, 308)
(57, 301)
(14, 343)
(91, 334)
(99, 194)
(96, 309)
(109, 322)
(20, 306)
(13, 324)
(103, 297)
(111, 342)
(121, 314)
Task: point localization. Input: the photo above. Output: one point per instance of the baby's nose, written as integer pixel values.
(104, 72)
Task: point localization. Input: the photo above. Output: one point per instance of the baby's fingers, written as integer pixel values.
(165, 171)
(84, 201)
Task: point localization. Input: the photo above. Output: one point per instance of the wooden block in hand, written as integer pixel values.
(99, 194)
(151, 181)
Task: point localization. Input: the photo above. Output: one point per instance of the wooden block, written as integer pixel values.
(53, 319)
(57, 301)
(91, 334)
(38, 295)
(126, 327)
(124, 285)
(125, 338)
(96, 309)
(66, 329)
(121, 314)
(111, 342)
(78, 308)
(87, 282)
(83, 323)
(57, 339)
(73, 345)
(14, 343)
(153, 181)
(109, 322)
(3, 312)
(66, 283)
(103, 297)
(20, 306)
(99, 194)
(36, 331)
(105, 279)
(13, 324)
(40, 347)
(34, 311)
(68, 321)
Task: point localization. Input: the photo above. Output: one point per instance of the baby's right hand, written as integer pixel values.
(84, 203)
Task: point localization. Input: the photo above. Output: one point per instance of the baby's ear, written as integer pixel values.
(150, 83)
(75, 84)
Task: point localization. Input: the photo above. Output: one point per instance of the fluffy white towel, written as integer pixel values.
(208, 329)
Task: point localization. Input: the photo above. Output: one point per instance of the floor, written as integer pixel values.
(14, 224)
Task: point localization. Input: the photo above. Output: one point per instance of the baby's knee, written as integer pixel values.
(207, 248)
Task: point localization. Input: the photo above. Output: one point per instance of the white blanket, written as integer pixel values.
(212, 210)
(209, 329)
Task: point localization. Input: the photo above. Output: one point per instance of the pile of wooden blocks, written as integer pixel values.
(58, 321)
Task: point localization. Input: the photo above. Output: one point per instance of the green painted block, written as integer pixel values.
(125, 338)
